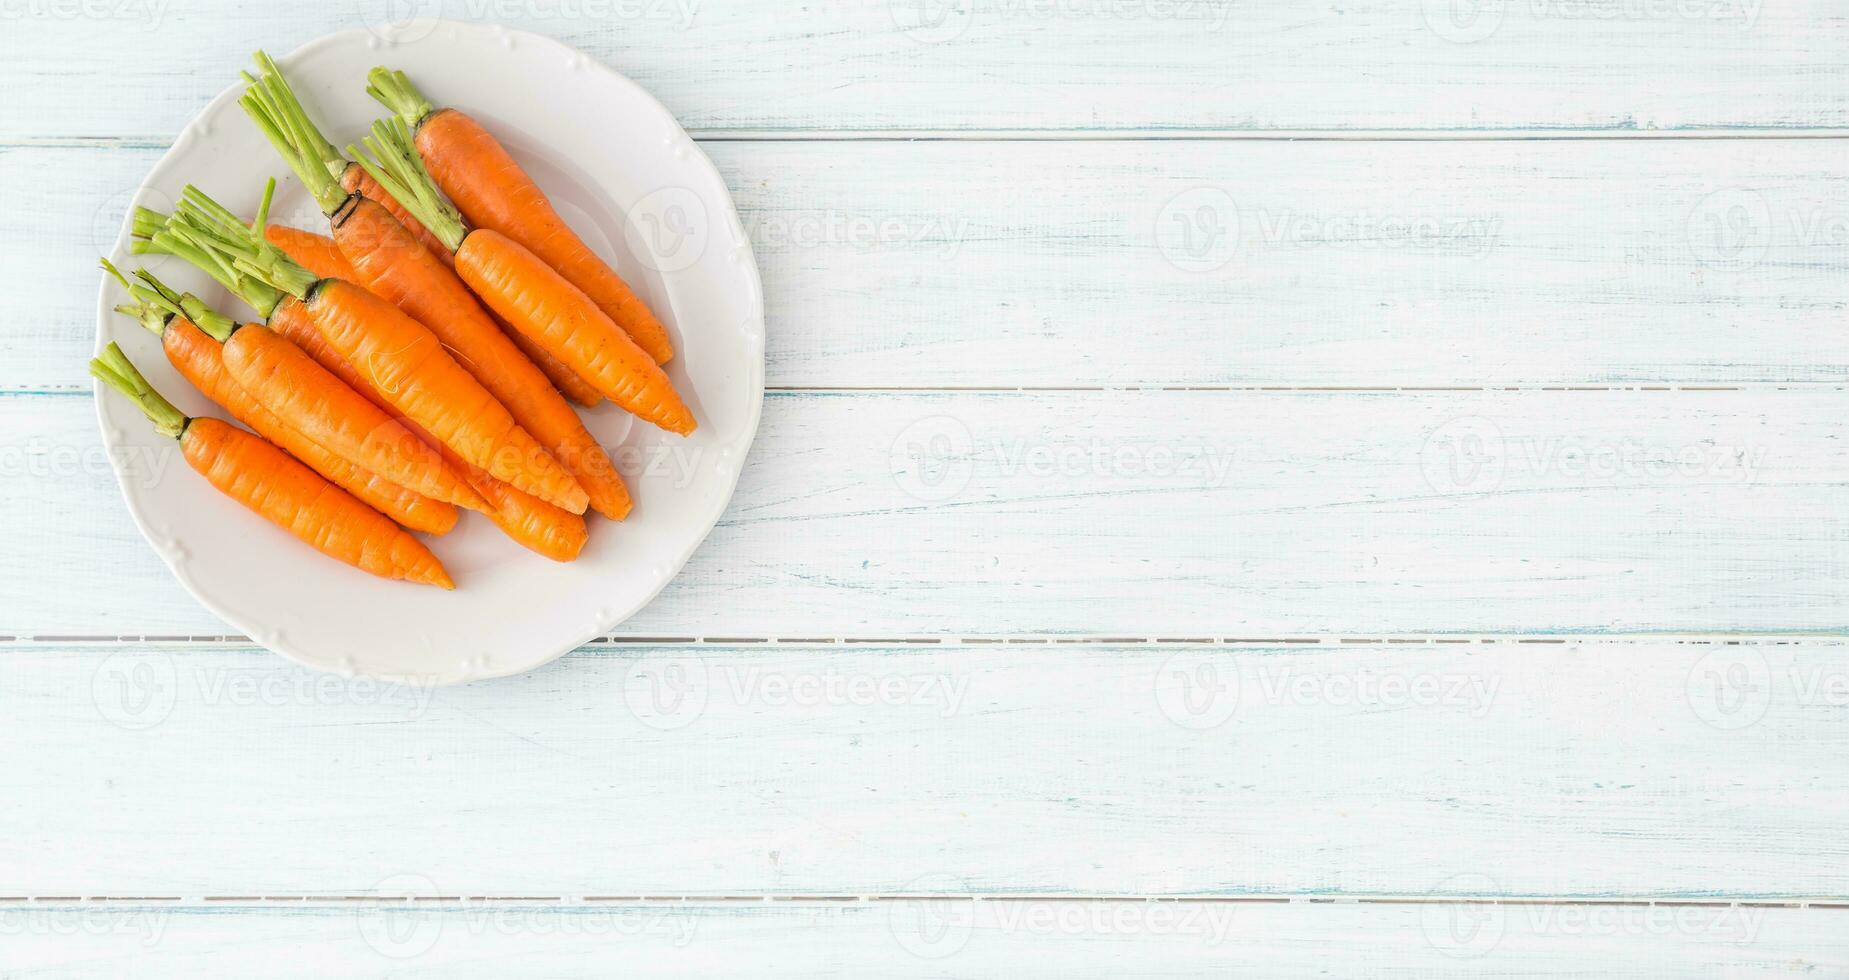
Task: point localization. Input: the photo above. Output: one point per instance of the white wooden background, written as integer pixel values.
(1268, 489)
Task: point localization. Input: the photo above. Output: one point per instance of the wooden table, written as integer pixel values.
(1246, 488)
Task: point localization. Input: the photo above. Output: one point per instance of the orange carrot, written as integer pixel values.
(321, 256)
(289, 383)
(191, 337)
(274, 485)
(316, 253)
(398, 356)
(478, 173)
(536, 525)
(392, 264)
(562, 376)
(527, 293)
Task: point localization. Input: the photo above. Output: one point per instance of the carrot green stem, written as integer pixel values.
(210, 228)
(394, 90)
(156, 303)
(272, 104)
(161, 234)
(400, 171)
(112, 367)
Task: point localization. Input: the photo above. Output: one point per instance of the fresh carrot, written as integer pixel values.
(527, 292)
(398, 355)
(536, 525)
(274, 485)
(321, 256)
(558, 372)
(287, 382)
(396, 267)
(478, 173)
(317, 253)
(192, 335)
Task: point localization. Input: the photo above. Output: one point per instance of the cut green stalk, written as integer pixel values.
(394, 90)
(156, 303)
(400, 171)
(206, 227)
(161, 234)
(272, 104)
(112, 367)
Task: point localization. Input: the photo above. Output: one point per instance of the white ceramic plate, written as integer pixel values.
(635, 186)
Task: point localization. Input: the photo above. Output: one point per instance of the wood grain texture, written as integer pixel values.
(1197, 263)
(901, 65)
(1149, 513)
(1584, 769)
(925, 939)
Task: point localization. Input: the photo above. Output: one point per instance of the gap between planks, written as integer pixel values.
(1830, 904)
(1605, 134)
(235, 641)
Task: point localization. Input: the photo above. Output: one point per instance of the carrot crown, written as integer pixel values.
(156, 303)
(112, 367)
(394, 90)
(271, 103)
(236, 255)
(400, 171)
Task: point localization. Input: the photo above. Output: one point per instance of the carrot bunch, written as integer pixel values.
(413, 361)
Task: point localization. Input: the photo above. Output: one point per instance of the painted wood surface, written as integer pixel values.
(925, 939)
(1375, 685)
(956, 264)
(1146, 514)
(1585, 769)
(1038, 65)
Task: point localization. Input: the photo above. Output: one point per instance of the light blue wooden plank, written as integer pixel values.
(1348, 264)
(962, 65)
(1580, 770)
(1153, 513)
